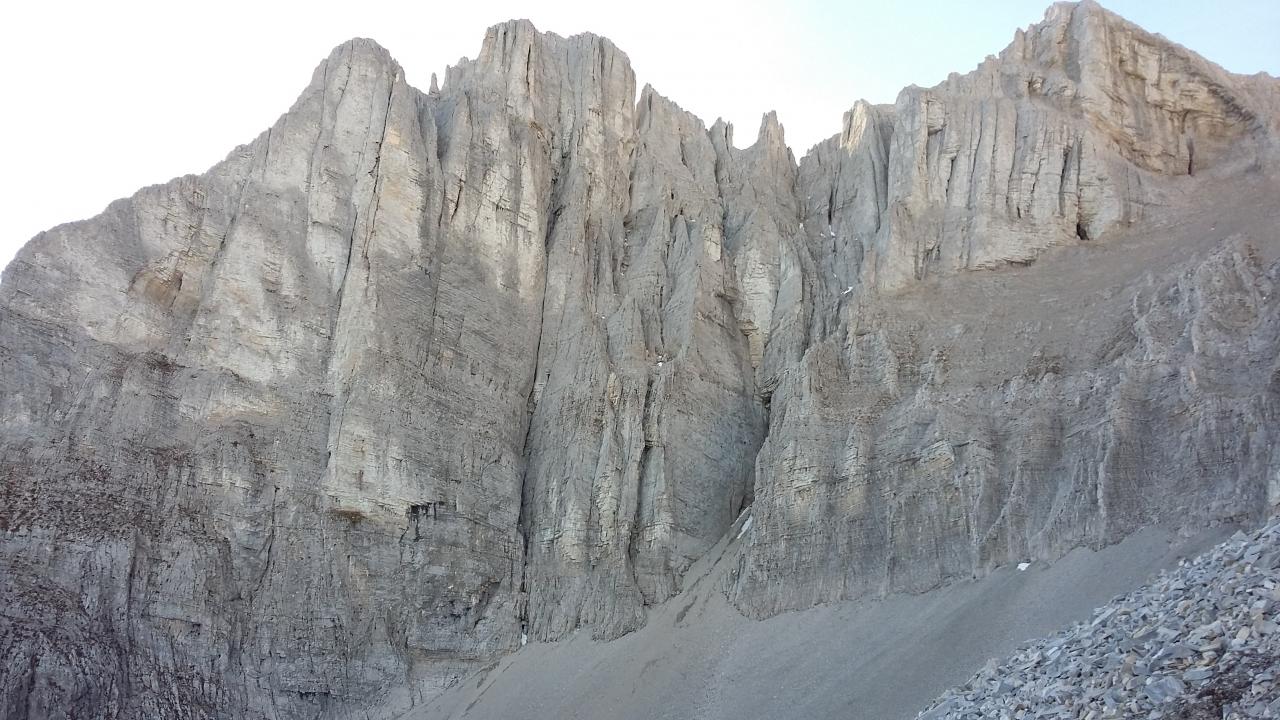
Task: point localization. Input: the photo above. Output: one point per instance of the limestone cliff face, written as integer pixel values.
(406, 378)
(916, 446)
(415, 377)
(1055, 140)
(253, 455)
(926, 426)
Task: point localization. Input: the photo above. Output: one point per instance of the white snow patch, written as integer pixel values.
(1022, 566)
(745, 527)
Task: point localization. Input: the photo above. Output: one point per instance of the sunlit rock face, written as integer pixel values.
(929, 422)
(415, 377)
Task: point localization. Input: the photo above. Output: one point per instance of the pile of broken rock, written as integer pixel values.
(1201, 641)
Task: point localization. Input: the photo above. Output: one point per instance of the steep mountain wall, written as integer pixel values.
(414, 377)
(919, 437)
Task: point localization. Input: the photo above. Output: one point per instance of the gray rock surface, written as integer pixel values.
(929, 422)
(885, 658)
(414, 378)
(1201, 641)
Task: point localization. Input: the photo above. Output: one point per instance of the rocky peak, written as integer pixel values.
(1153, 99)
(770, 135)
(414, 378)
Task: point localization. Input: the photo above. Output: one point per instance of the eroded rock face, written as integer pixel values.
(1055, 140)
(927, 430)
(917, 446)
(416, 376)
(254, 453)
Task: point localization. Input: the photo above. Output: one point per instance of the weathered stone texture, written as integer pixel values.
(927, 426)
(414, 377)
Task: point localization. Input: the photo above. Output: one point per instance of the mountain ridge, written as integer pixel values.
(416, 377)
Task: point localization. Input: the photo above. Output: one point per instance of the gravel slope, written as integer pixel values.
(1201, 641)
(884, 659)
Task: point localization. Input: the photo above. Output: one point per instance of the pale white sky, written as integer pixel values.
(102, 98)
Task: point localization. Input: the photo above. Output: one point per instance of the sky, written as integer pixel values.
(103, 98)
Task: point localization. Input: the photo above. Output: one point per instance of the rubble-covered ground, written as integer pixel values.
(1199, 642)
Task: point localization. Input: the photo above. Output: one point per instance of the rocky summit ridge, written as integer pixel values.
(415, 378)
